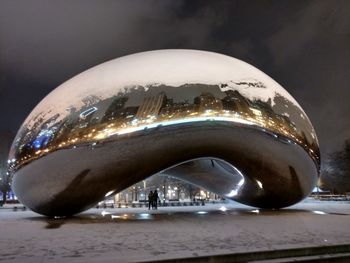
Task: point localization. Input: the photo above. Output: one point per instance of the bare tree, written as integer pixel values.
(4, 187)
(5, 144)
(335, 174)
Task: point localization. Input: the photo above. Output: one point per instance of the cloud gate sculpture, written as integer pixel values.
(203, 117)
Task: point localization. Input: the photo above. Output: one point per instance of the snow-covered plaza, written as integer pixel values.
(137, 234)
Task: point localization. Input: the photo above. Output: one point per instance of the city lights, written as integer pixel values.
(152, 115)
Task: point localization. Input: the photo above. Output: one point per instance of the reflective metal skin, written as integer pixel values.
(203, 117)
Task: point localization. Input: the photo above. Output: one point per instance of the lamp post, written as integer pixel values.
(144, 189)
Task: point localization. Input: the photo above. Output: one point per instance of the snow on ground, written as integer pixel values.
(135, 234)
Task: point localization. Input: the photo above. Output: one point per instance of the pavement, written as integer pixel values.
(139, 234)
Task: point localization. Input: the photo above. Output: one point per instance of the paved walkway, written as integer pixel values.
(135, 234)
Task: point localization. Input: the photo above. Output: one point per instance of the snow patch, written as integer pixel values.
(251, 89)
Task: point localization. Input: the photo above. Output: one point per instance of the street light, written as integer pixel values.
(144, 189)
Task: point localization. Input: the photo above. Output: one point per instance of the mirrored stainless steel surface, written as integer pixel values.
(203, 117)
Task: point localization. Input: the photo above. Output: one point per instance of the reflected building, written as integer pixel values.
(234, 101)
(207, 101)
(150, 106)
(116, 109)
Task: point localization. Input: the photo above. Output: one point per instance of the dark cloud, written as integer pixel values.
(311, 55)
(303, 45)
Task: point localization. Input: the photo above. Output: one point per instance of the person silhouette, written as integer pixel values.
(150, 200)
(155, 199)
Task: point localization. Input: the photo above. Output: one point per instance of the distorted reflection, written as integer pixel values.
(104, 213)
(259, 184)
(109, 193)
(319, 212)
(138, 109)
(145, 215)
(141, 216)
(223, 208)
(202, 212)
(235, 191)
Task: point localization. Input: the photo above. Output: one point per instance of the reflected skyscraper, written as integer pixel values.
(151, 106)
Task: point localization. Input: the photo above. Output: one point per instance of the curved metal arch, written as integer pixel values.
(203, 117)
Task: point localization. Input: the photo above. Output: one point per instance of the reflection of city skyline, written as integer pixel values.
(99, 119)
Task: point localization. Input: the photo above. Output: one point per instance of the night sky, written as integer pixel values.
(303, 45)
